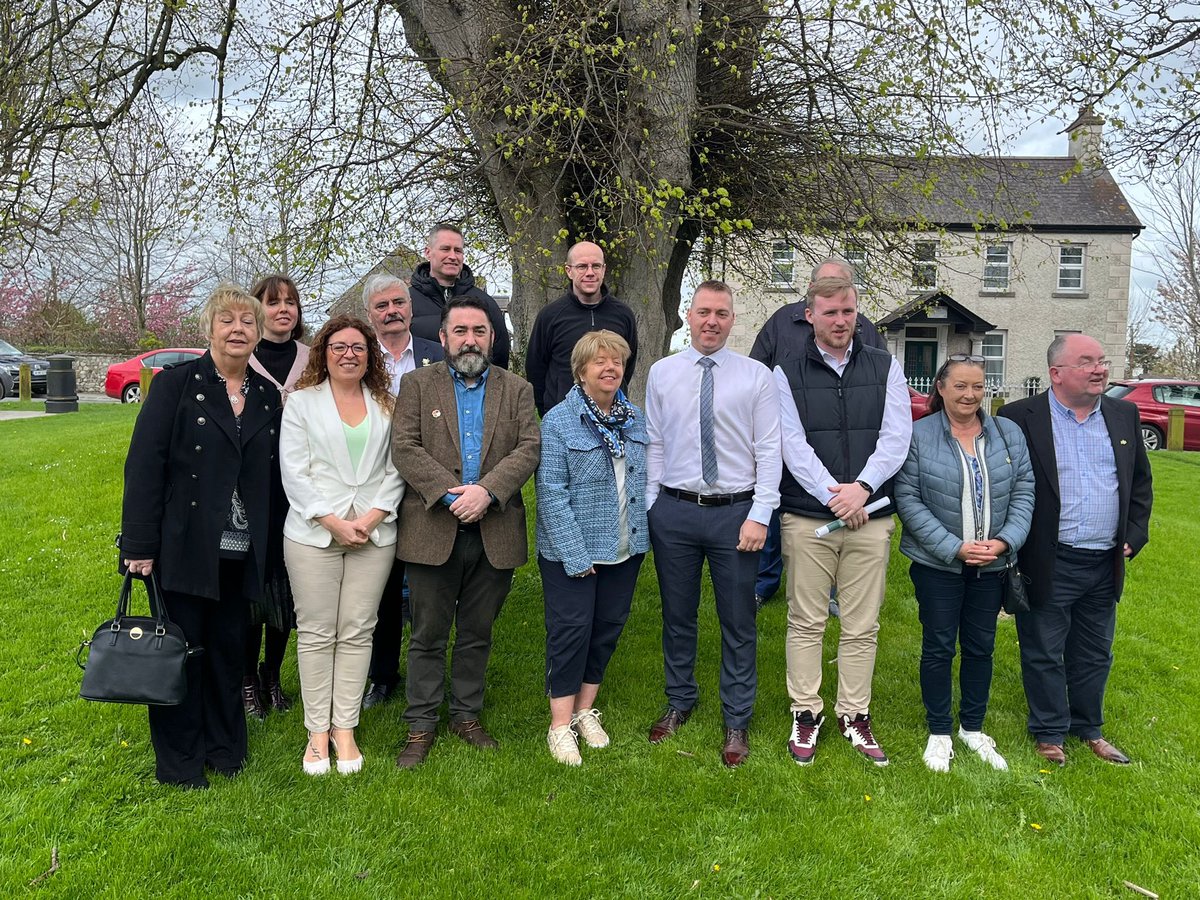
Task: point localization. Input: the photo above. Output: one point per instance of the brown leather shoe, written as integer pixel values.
(668, 723)
(474, 734)
(1108, 752)
(1052, 752)
(737, 747)
(417, 748)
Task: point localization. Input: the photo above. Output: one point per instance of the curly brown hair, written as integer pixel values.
(377, 380)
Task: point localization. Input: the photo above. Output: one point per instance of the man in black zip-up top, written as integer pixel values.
(587, 306)
(442, 278)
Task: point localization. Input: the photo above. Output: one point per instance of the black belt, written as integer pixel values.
(1086, 551)
(708, 499)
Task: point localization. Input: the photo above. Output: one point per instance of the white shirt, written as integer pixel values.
(895, 433)
(745, 429)
(398, 366)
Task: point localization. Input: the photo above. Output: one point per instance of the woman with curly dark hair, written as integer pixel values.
(340, 533)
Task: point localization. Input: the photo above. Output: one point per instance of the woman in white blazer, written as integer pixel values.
(340, 532)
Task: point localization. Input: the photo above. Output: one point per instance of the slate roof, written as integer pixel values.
(1006, 193)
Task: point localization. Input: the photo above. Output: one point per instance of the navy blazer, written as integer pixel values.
(1134, 488)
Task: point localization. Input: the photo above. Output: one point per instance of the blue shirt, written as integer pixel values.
(469, 399)
(1087, 478)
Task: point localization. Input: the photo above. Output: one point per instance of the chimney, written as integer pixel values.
(1084, 142)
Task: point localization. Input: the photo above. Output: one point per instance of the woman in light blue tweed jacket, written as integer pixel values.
(591, 535)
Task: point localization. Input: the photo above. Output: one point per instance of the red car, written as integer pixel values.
(123, 380)
(1155, 398)
(919, 401)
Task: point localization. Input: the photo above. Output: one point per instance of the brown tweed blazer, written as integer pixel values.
(426, 451)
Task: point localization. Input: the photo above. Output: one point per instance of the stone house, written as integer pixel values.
(990, 256)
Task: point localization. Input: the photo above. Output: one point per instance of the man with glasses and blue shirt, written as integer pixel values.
(1094, 493)
(587, 306)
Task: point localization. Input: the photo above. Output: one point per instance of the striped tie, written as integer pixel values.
(708, 446)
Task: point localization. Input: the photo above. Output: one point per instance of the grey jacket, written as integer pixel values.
(929, 490)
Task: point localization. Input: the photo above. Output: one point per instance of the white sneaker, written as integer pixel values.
(563, 745)
(984, 746)
(938, 753)
(586, 723)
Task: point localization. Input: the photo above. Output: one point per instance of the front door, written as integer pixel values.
(920, 360)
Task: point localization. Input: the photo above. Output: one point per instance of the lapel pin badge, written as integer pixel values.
(1124, 442)
(437, 413)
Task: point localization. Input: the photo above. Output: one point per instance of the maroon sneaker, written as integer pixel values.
(858, 732)
(802, 743)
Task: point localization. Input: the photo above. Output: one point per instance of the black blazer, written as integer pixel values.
(184, 459)
(1134, 488)
(426, 353)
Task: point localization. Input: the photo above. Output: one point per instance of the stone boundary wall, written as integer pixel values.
(90, 368)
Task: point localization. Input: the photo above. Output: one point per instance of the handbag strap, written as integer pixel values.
(1010, 556)
(158, 609)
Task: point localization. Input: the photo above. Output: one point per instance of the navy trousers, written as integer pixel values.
(1066, 647)
(770, 561)
(683, 536)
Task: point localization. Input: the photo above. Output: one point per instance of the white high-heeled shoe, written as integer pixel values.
(346, 766)
(316, 766)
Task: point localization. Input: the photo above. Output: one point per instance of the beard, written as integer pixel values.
(470, 361)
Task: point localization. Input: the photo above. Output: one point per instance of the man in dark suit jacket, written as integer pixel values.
(465, 438)
(1094, 492)
(389, 309)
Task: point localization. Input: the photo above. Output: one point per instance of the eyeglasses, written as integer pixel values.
(588, 267)
(966, 357)
(340, 349)
(1090, 366)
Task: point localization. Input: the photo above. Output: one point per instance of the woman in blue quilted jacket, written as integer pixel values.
(591, 535)
(965, 498)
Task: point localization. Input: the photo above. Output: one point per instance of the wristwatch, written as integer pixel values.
(866, 487)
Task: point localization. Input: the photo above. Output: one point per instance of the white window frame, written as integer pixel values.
(1074, 270)
(783, 271)
(924, 270)
(997, 266)
(995, 367)
(855, 253)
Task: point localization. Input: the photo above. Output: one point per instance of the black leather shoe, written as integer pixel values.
(378, 693)
(251, 700)
(272, 690)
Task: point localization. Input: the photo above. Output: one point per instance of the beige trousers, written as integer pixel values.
(856, 561)
(337, 595)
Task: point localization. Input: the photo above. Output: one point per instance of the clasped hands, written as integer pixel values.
(472, 503)
(981, 553)
(847, 504)
(353, 533)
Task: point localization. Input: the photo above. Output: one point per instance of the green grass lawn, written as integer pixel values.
(634, 819)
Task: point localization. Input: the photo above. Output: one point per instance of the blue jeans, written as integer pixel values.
(957, 608)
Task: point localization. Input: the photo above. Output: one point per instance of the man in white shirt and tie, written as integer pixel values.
(389, 310)
(713, 469)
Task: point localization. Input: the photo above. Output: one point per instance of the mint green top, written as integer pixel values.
(356, 439)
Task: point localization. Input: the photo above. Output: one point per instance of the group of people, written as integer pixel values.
(379, 481)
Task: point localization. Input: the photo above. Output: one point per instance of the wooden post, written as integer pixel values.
(145, 376)
(1175, 420)
(25, 378)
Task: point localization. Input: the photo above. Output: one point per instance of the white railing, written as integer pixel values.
(993, 386)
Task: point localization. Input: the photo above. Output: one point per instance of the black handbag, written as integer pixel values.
(136, 659)
(1016, 588)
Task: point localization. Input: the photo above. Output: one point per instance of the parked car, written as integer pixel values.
(11, 360)
(1155, 398)
(124, 380)
(7, 383)
(919, 401)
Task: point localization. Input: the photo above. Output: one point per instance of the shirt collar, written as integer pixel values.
(1056, 404)
(833, 361)
(694, 355)
(459, 378)
(387, 354)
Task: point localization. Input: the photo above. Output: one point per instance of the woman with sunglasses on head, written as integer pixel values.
(965, 498)
(340, 534)
(280, 358)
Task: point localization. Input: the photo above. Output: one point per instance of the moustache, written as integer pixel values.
(394, 317)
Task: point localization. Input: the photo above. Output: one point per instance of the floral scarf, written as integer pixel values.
(609, 427)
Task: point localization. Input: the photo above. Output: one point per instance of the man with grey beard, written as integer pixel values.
(465, 439)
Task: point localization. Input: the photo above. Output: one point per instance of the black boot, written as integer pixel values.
(251, 701)
(272, 690)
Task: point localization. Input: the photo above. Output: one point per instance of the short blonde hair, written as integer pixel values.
(832, 286)
(592, 343)
(226, 297)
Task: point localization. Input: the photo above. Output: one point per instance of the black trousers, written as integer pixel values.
(684, 535)
(209, 727)
(1066, 647)
(389, 630)
(465, 593)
